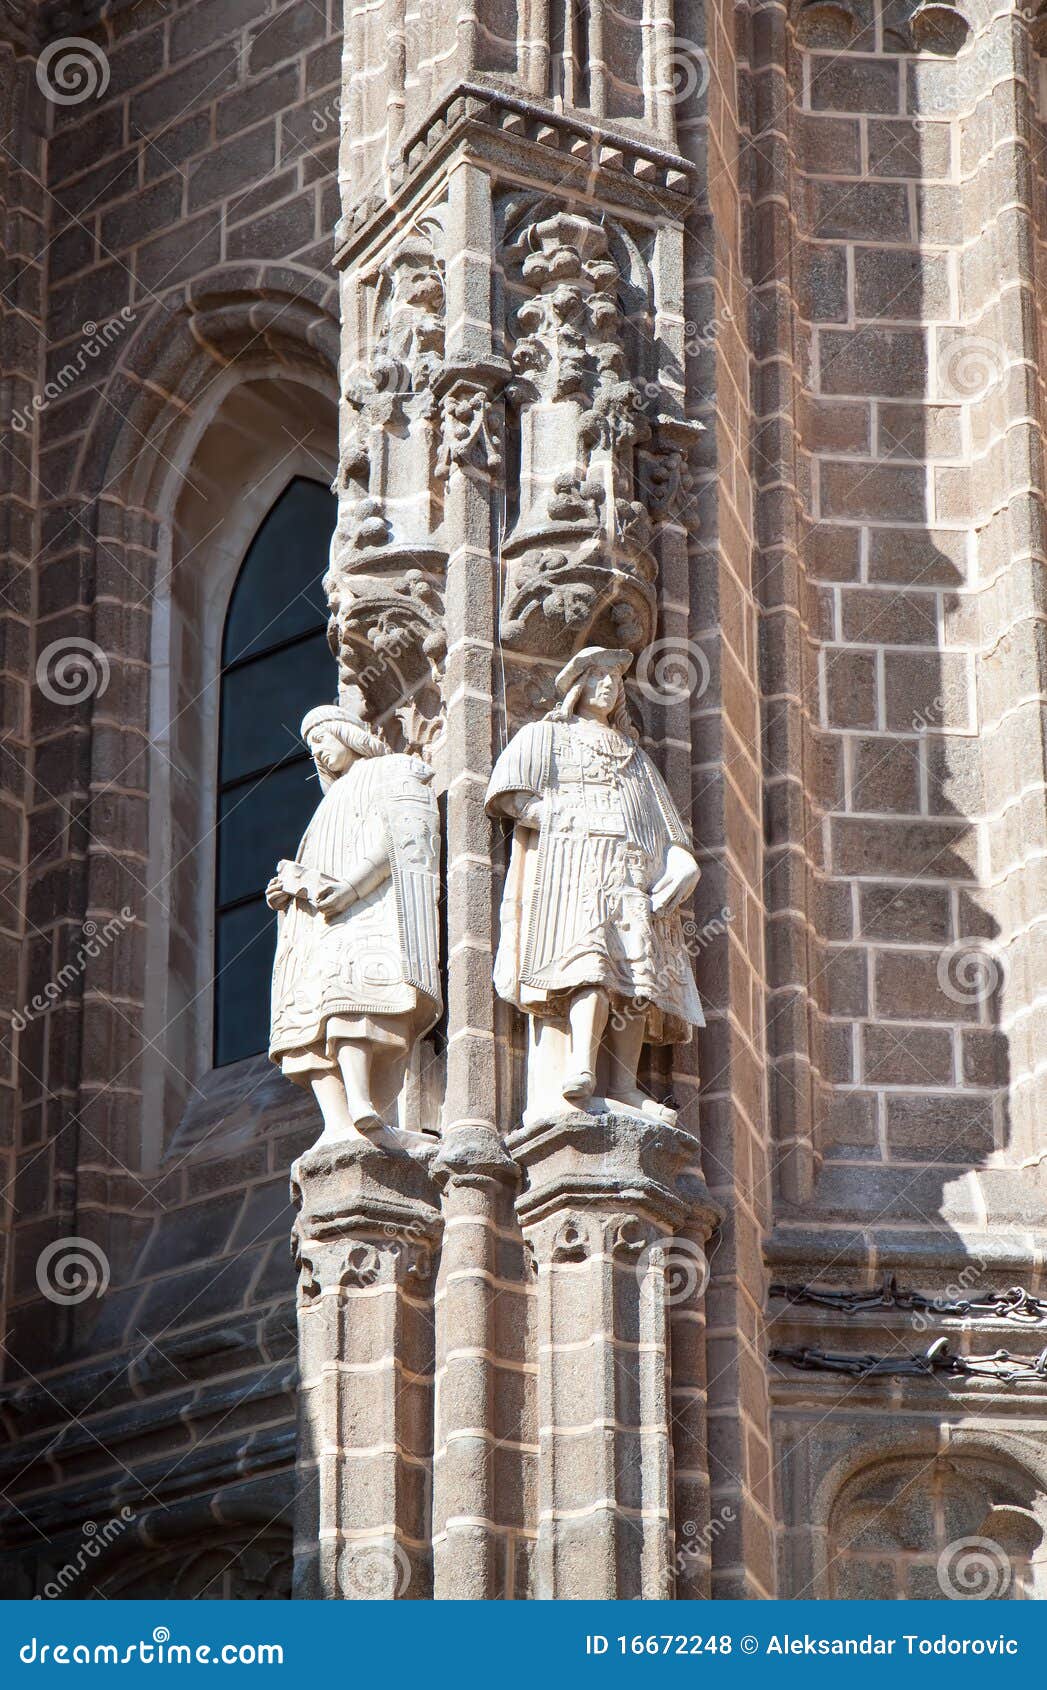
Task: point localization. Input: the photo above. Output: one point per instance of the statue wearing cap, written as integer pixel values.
(356, 976)
(591, 945)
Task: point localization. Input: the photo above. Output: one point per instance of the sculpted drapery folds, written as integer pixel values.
(591, 944)
(356, 977)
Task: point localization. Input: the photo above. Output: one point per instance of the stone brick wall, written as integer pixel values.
(182, 223)
(22, 216)
(898, 306)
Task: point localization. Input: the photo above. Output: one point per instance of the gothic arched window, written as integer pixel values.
(275, 666)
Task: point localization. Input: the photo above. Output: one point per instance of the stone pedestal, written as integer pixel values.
(604, 1198)
(365, 1236)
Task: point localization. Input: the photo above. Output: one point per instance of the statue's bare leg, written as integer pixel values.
(329, 1092)
(588, 1018)
(624, 1044)
(354, 1060)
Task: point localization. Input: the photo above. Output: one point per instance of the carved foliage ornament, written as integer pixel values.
(385, 582)
(579, 552)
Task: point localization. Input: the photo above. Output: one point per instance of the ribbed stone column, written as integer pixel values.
(468, 1547)
(364, 1238)
(479, 1272)
(603, 1198)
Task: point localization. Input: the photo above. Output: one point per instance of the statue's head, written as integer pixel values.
(336, 737)
(593, 682)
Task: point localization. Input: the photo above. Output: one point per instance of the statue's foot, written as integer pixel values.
(579, 1088)
(341, 1134)
(639, 1102)
(374, 1130)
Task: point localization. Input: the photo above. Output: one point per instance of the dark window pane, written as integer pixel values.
(279, 590)
(259, 822)
(264, 702)
(245, 943)
(276, 667)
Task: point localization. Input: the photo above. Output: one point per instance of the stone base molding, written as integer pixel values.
(602, 1201)
(364, 1240)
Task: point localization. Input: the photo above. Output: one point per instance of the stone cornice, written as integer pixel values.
(523, 138)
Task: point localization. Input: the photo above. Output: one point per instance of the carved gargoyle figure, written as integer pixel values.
(591, 945)
(356, 977)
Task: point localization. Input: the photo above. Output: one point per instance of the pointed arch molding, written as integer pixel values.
(193, 358)
(260, 318)
(1011, 1449)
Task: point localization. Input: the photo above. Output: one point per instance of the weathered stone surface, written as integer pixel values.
(820, 237)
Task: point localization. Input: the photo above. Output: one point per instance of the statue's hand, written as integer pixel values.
(333, 900)
(276, 895)
(521, 808)
(677, 881)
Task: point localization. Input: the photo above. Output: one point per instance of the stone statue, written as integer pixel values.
(356, 977)
(591, 945)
